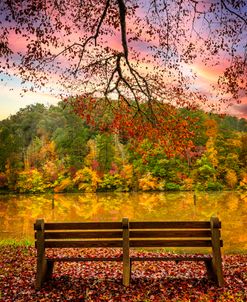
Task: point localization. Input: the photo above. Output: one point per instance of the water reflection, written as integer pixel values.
(18, 212)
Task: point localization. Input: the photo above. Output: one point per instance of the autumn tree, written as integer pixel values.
(243, 154)
(105, 152)
(133, 58)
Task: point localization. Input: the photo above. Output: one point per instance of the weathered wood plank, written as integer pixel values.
(82, 225)
(126, 256)
(216, 244)
(171, 258)
(50, 266)
(133, 234)
(210, 270)
(84, 259)
(170, 225)
(170, 234)
(85, 234)
(170, 243)
(41, 261)
(83, 243)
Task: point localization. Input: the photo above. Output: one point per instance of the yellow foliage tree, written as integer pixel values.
(127, 174)
(231, 178)
(243, 182)
(211, 128)
(48, 151)
(188, 184)
(212, 152)
(92, 155)
(211, 132)
(30, 181)
(148, 183)
(64, 185)
(86, 180)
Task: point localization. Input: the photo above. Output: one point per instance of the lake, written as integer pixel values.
(19, 212)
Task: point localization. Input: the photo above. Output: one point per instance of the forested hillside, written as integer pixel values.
(51, 149)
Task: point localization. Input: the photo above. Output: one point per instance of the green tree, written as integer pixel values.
(105, 151)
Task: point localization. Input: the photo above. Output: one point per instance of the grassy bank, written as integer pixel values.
(16, 243)
(93, 281)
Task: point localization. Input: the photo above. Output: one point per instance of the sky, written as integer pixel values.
(12, 97)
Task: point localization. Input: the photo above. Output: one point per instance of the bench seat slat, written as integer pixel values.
(172, 258)
(82, 259)
(170, 243)
(83, 243)
(90, 234)
(169, 225)
(82, 225)
(170, 234)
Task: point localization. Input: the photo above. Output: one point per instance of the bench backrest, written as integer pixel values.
(78, 234)
(128, 234)
(173, 233)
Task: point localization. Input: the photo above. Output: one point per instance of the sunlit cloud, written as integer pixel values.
(239, 110)
(207, 74)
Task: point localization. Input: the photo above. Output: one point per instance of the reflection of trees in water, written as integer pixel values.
(233, 212)
(18, 213)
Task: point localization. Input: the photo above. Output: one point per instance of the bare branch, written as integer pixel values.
(233, 12)
(122, 17)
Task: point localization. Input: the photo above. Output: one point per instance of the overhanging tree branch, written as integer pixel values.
(82, 38)
(233, 12)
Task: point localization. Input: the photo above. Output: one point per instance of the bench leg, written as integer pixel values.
(214, 272)
(49, 270)
(126, 271)
(216, 245)
(210, 270)
(130, 269)
(44, 272)
(41, 273)
(126, 252)
(217, 266)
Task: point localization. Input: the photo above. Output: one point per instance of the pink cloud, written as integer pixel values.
(208, 73)
(17, 43)
(239, 110)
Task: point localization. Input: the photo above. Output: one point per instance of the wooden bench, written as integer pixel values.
(128, 235)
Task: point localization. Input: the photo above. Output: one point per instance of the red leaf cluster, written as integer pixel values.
(158, 123)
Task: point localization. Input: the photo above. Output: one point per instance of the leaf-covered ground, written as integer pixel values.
(102, 281)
